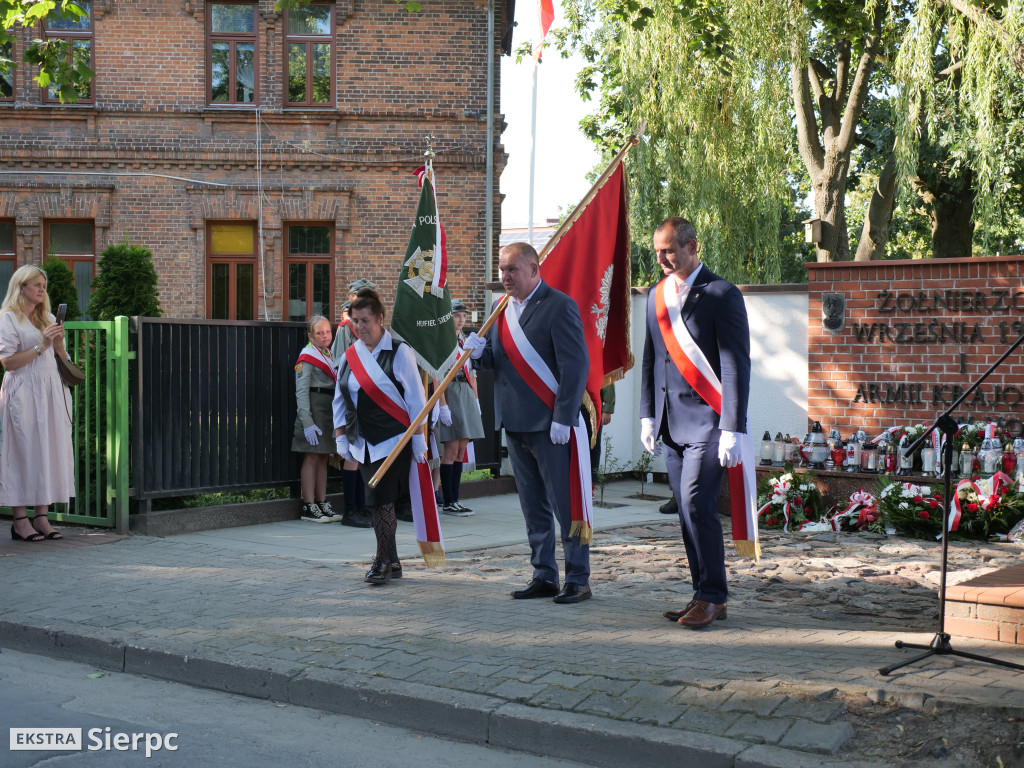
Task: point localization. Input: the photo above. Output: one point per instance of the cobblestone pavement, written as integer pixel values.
(793, 668)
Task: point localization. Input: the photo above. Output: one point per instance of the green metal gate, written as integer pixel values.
(101, 426)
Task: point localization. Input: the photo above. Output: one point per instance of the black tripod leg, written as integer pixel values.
(976, 657)
(894, 667)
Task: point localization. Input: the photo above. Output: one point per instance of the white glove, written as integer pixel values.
(475, 344)
(435, 412)
(649, 437)
(419, 448)
(342, 447)
(311, 434)
(446, 415)
(559, 433)
(729, 449)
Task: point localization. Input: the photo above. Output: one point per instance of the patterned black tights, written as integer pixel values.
(384, 525)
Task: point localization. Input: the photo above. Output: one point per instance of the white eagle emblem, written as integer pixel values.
(601, 308)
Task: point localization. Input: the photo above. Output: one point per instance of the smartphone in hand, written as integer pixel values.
(62, 310)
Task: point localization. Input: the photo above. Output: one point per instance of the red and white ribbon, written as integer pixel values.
(862, 504)
(697, 371)
(468, 458)
(986, 499)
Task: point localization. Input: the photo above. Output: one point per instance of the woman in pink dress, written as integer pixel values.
(36, 464)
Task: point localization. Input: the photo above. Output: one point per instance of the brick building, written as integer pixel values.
(264, 157)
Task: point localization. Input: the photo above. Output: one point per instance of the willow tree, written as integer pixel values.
(734, 90)
(960, 125)
(717, 141)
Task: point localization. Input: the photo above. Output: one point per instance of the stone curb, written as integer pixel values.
(441, 712)
(172, 522)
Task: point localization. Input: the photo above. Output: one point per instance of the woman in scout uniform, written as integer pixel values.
(315, 375)
(352, 481)
(378, 389)
(458, 422)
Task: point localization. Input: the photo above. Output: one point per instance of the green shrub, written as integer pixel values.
(125, 283)
(60, 285)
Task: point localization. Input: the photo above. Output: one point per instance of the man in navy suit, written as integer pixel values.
(537, 433)
(695, 384)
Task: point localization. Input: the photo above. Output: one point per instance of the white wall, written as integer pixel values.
(778, 362)
(778, 377)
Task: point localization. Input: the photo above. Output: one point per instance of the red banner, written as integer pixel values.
(590, 262)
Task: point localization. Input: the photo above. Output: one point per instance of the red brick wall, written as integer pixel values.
(399, 77)
(934, 325)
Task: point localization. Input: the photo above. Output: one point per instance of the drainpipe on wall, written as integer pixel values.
(489, 150)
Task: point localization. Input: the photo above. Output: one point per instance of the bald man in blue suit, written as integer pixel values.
(537, 436)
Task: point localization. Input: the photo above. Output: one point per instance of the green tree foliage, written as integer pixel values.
(60, 286)
(125, 283)
(718, 140)
(68, 76)
(735, 91)
(960, 116)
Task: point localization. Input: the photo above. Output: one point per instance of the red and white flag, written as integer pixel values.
(546, 15)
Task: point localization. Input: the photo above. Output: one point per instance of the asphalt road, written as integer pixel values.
(213, 728)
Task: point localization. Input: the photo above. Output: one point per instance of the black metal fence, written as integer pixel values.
(214, 406)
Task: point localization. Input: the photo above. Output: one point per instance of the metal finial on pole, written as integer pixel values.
(430, 154)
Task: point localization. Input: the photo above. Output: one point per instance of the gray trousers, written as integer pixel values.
(542, 478)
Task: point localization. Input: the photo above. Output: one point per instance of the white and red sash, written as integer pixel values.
(315, 357)
(466, 368)
(539, 378)
(379, 387)
(697, 371)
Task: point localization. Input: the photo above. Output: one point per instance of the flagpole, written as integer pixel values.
(631, 142)
(533, 154)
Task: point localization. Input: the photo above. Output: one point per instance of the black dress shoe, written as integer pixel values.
(573, 593)
(536, 588)
(379, 573)
(357, 518)
(396, 570)
(670, 507)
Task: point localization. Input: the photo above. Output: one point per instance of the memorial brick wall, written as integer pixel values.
(895, 342)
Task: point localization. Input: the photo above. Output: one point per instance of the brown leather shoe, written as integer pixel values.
(702, 614)
(677, 615)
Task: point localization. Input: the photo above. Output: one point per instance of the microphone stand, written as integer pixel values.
(947, 425)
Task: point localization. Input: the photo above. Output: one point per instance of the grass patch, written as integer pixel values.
(217, 499)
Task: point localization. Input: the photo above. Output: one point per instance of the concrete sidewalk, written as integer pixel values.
(280, 611)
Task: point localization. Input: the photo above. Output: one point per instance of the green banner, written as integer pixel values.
(422, 315)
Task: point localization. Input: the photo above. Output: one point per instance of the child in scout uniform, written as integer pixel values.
(315, 377)
(344, 337)
(459, 422)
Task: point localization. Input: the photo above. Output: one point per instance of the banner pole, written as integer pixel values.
(631, 142)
